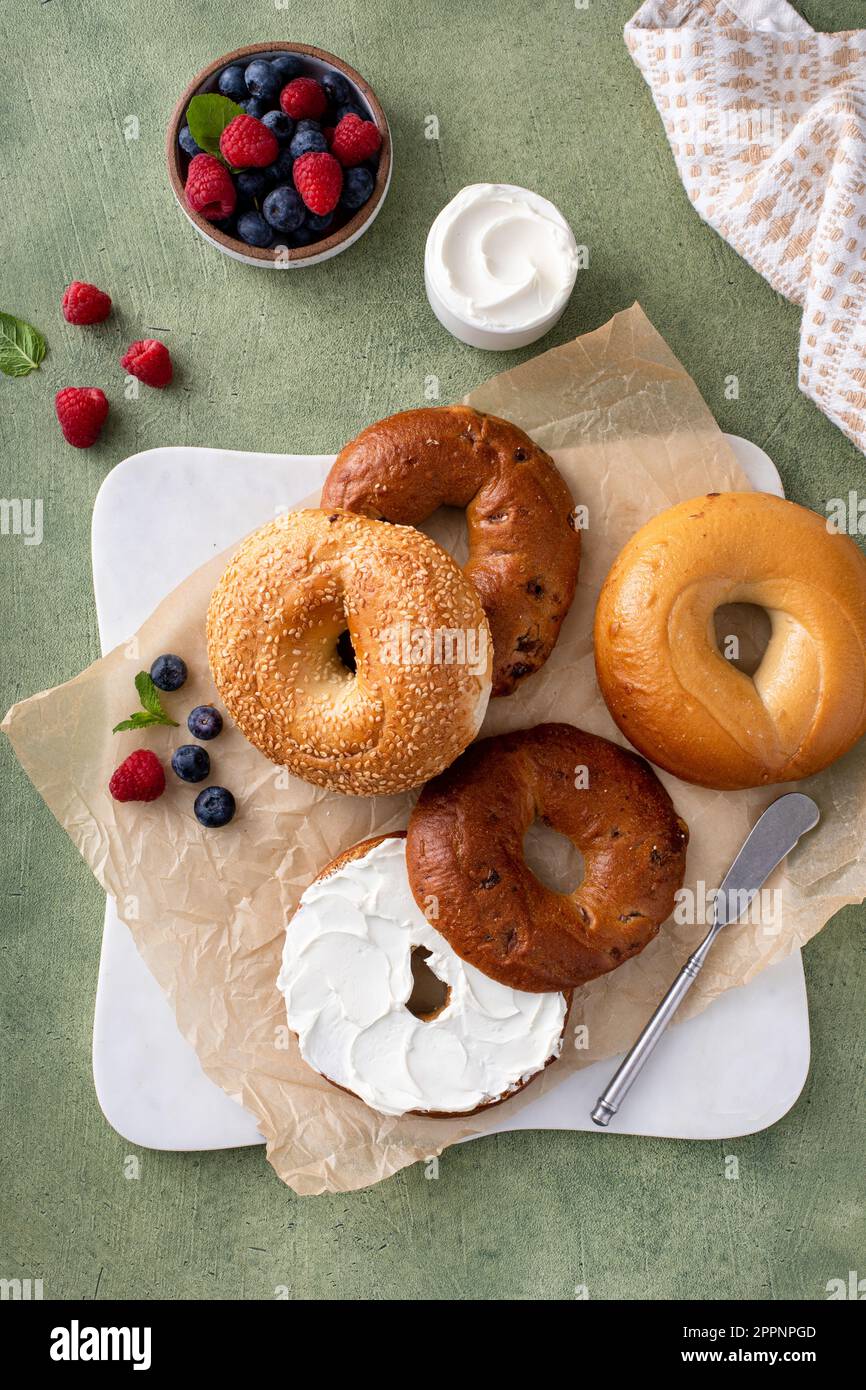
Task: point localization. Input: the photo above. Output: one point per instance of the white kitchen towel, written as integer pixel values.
(767, 123)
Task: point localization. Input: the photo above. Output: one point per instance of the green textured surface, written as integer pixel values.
(537, 93)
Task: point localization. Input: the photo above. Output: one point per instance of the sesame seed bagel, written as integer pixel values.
(667, 684)
(524, 551)
(420, 646)
(464, 852)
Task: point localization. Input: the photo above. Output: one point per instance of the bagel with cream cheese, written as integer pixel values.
(347, 979)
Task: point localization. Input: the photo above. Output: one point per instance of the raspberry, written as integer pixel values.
(248, 144)
(319, 180)
(83, 303)
(355, 140)
(82, 412)
(303, 97)
(149, 360)
(139, 778)
(209, 188)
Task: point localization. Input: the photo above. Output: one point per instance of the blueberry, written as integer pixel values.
(283, 209)
(350, 109)
(191, 763)
(251, 184)
(186, 142)
(256, 106)
(262, 81)
(205, 721)
(337, 89)
(281, 169)
(254, 230)
(168, 672)
(357, 187)
(231, 83)
(304, 235)
(282, 125)
(214, 806)
(287, 66)
(307, 137)
(227, 225)
(319, 222)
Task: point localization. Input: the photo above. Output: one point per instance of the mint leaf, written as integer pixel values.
(22, 347)
(140, 720)
(151, 712)
(207, 117)
(148, 694)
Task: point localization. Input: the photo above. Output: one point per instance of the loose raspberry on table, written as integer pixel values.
(83, 303)
(355, 141)
(319, 180)
(82, 411)
(303, 96)
(150, 361)
(247, 143)
(209, 189)
(140, 777)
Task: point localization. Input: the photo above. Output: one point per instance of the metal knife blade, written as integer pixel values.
(773, 837)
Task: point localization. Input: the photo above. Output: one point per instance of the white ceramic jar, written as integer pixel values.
(499, 266)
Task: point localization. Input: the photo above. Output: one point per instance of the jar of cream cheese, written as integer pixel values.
(499, 265)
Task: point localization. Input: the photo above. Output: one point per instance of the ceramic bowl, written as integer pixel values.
(317, 63)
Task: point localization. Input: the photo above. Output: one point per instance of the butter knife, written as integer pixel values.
(773, 837)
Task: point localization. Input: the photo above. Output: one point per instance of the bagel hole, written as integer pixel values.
(447, 526)
(743, 632)
(555, 861)
(430, 995)
(346, 652)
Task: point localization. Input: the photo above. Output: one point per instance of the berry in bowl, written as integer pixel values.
(279, 155)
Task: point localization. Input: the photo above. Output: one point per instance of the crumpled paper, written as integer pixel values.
(208, 910)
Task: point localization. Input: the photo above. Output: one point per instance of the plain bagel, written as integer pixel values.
(524, 550)
(465, 855)
(419, 642)
(671, 691)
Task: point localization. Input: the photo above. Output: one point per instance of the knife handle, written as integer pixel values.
(634, 1061)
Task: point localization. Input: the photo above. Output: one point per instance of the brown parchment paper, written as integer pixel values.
(207, 910)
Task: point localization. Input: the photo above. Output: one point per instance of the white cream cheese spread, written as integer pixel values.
(501, 257)
(346, 977)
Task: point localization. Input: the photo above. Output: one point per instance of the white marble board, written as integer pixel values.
(736, 1068)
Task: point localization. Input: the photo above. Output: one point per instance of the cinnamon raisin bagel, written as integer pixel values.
(465, 855)
(414, 684)
(667, 685)
(524, 550)
(347, 976)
